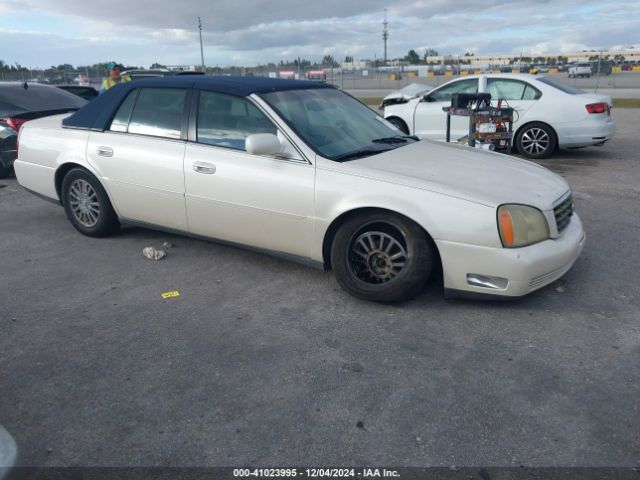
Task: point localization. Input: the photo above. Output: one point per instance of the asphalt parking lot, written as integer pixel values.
(264, 362)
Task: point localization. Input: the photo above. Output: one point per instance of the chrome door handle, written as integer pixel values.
(105, 151)
(204, 167)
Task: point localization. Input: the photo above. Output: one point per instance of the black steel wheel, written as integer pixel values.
(381, 256)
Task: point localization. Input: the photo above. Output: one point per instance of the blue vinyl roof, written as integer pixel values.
(97, 114)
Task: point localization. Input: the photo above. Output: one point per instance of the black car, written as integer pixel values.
(86, 92)
(21, 102)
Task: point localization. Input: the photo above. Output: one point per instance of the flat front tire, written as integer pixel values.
(382, 257)
(87, 204)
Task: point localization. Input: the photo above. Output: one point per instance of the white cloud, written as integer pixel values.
(253, 31)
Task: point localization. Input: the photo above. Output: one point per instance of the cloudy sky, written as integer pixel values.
(39, 33)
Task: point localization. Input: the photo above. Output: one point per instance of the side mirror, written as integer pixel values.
(263, 144)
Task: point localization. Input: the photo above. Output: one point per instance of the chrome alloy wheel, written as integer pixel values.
(376, 257)
(84, 203)
(535, 141)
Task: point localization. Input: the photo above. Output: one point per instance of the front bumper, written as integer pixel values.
(526, 269)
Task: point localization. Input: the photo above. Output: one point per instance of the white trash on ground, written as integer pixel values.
(153, 253)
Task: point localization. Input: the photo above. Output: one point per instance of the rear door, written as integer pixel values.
(140, 158)
(517, 94)
(430, 121)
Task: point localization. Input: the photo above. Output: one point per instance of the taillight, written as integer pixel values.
(15, 123)
(598, 107)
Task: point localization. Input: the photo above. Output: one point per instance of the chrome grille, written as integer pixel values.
(563, 212)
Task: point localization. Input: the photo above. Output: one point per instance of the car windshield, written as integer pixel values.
(561, 86)
(334, 124)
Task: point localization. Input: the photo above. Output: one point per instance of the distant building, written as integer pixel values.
(631, 55)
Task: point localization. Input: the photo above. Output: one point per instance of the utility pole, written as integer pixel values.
(201, 47)
(385, 35)
(598, 73)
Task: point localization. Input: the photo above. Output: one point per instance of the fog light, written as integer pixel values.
(484, 281)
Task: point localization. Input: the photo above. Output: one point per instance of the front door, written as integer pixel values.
(231, 195)
(430, 121)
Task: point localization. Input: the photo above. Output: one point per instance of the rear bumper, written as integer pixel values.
(586, 133)
(525, 269)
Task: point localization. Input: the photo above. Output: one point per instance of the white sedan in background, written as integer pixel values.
(302, 169)
(549, 114)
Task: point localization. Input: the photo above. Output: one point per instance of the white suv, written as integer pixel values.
(580, 70)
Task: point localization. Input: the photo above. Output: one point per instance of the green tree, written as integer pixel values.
(412, 57)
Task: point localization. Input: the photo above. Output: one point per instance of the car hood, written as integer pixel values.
(405, 94)
(488, 178)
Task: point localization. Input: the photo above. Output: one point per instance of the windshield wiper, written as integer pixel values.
(395, 139)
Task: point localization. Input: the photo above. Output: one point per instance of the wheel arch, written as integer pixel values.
(397, 117)
(335, 225)
(65, 168)
(521, 127)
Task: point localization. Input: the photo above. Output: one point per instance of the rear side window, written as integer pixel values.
(226, 121)
(158, 112)
(155, 112)
(511, 90)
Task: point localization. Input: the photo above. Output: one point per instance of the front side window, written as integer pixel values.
(334, 124)
(226, 120)
(157, 112)
(444, 94)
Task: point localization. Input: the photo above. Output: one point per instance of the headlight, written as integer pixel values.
(520, 225)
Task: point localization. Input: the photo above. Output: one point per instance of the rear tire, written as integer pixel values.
(536, 140)
(382, 257)
(87, 204)
(400, 124)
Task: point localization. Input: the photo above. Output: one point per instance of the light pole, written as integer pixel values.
(201, 46)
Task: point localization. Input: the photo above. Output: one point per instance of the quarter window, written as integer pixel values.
(120, 122)
(157, 112)
(226, 121)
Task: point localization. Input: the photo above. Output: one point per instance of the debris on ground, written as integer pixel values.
(167, 245)
(559, 286)
(153, 253)
(172, 294)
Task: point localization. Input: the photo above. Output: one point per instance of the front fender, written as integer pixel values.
(442, 216)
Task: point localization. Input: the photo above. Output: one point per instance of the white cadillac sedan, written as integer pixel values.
(304, 170)
(549, 114)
